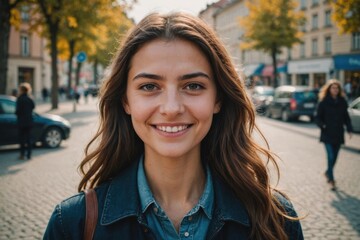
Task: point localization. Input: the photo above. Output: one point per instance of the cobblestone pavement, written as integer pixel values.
(328, 214)
(30, 189)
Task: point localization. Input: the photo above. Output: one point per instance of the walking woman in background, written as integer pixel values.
(24, 110)
(331, 117)
(174, 156)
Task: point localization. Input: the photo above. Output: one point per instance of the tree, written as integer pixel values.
(346, 13)
(8, 12)
(271, 26)
(52, 13)
(114, 25)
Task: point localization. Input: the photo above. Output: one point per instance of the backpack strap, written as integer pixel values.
(91, 216)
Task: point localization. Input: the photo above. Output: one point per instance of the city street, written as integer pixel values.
(31, 189)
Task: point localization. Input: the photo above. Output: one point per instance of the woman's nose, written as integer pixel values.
(172, 103)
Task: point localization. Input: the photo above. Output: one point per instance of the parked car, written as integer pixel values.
(48, 129)
(261, 97)
(354, 112)
(291, 102)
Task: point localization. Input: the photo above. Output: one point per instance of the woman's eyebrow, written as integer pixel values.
(147, 75)
(194, 75)
(183, 77)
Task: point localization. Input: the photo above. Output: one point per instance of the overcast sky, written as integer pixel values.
(143, 7)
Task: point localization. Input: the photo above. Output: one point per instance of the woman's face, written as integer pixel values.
(334, 90)
(171, 97)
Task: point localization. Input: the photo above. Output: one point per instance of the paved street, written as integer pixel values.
(30, 189)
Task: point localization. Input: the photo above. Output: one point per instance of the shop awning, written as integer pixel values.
(268, 70)
(253, 69)
(347, 62)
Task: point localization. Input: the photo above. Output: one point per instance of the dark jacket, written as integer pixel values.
(120, 215)
(24, 109)
(331, 117)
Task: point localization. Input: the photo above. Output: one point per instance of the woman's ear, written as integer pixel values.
(126, 106)
(217, 107)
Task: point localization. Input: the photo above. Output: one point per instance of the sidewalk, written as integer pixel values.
(66, 106)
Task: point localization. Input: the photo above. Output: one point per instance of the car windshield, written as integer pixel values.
(306, 95)
(264, 92)
(268, 93)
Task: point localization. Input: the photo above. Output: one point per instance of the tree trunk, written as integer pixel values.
(274, 62)
(53, 29)
(5, 9)
(72, 49)
(77, 77)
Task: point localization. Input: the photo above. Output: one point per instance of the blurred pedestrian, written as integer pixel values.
(331, 117)
(348, 89)
(44, 93)
(24, 112)
(175, 156)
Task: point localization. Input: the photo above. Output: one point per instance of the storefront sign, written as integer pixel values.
(310, 66)
(347, 62)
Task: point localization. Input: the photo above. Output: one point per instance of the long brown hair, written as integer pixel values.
(325, 90)
(229, 148)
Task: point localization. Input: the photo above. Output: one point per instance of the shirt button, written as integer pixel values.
(190, 218)
(146, 230)
(156, 209)
(186, 234)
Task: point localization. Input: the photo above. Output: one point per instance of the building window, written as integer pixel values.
(327, 44)
(302, 49)
(315, 2)
(356, 41)
(24, 13)
(303, 27)
(25, 45)
(315, 21)
(303, 4)
(328, 18)
(314, 47)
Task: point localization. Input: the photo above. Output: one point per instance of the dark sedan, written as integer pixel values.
(48, 129)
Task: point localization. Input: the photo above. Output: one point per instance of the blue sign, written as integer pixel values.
(81, 57)
(347, 62)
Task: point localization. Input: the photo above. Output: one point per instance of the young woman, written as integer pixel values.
(174, 156)
(331, 117)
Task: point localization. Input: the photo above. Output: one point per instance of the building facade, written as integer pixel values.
(323, 54)
(29, 61)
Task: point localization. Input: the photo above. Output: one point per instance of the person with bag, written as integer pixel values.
(174, 156)
(331, 117)
(24, 112)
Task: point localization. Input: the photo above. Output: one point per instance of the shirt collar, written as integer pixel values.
(122, 199)
(146, 196)
(206, 200)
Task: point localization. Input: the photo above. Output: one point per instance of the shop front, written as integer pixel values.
(347, 68)
(312, 73)
(267, 75)
(252, 73)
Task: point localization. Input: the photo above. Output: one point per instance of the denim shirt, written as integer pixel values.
(195, 223)
(120, 214)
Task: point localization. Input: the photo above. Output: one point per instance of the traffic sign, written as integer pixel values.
(81, 57)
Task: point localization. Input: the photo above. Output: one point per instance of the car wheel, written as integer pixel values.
(52, 137)
(285, 116)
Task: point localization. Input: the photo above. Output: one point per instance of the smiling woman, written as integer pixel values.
(174, 155)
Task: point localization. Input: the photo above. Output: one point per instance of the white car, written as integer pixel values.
(354, 112)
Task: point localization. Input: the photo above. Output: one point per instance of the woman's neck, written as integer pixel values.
(177, 184)
(182, 179)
